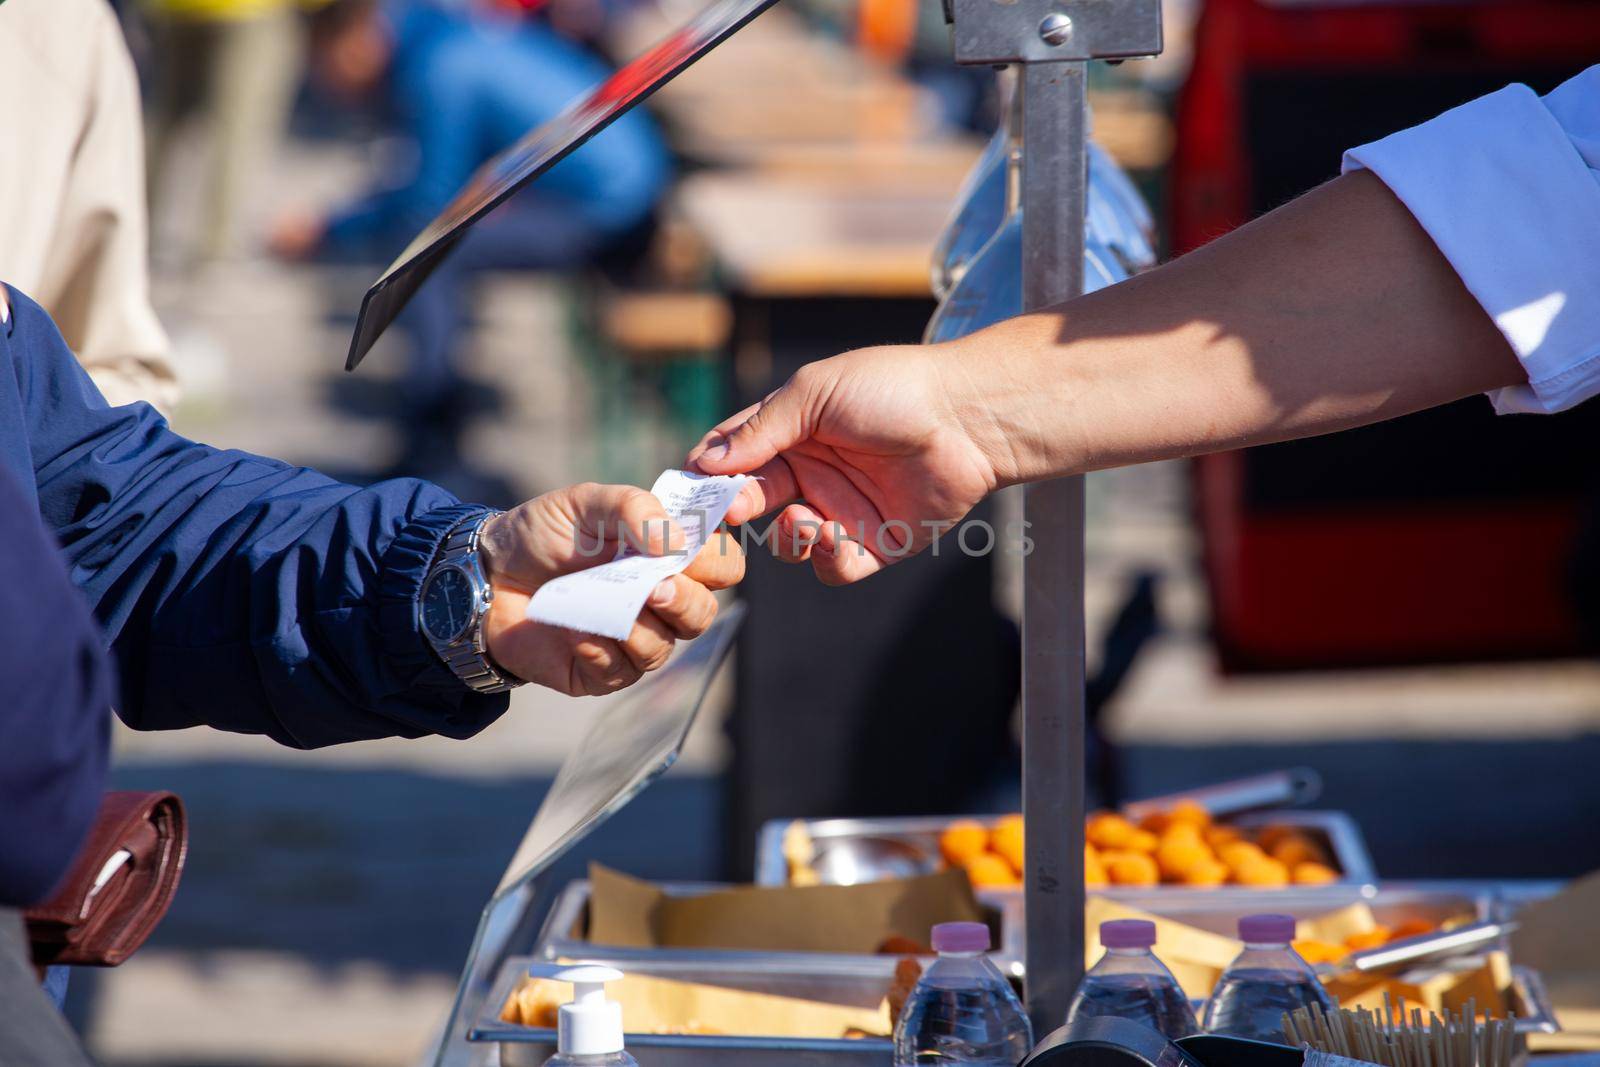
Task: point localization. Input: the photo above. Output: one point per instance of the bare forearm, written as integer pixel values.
(1333, 311)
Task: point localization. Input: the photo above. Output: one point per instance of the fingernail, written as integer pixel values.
(718, 449)
(663, 593)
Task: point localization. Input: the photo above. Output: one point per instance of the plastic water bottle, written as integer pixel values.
(962, 1009)
(1130, 983)
(1265, 981)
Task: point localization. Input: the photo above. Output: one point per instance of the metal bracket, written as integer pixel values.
(1053, 31)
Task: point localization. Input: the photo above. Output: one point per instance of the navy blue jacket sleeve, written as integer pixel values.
(238, 591)
(56, 711)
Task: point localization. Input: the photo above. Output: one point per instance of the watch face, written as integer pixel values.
(447, 604)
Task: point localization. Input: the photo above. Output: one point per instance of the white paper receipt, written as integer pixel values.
(607, 599)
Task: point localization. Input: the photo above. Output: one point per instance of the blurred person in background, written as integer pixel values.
(72, 206)
(462, 83)
(237, 64)
(246, 594)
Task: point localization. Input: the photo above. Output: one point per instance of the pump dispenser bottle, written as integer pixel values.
(589, 1028)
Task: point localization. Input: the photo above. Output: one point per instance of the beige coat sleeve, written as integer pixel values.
(95, 276)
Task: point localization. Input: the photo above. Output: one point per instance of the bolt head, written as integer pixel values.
(1056, 29)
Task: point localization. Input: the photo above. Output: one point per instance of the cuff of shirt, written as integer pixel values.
(404, 568)
(1503, 192)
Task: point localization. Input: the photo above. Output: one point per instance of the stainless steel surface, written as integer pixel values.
(1292, 787)
(539, 150)
(853, 986)
(1054, 192)
(562, 937)
(893, 847)
(1462, 941)
(997, 31)
(632, 739)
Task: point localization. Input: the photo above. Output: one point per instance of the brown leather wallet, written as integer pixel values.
(119, 887)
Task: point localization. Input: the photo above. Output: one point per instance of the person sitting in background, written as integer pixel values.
(246, 594)
(72, 206)
(463, 85)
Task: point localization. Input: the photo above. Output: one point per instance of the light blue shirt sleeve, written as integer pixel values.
(1508, 187)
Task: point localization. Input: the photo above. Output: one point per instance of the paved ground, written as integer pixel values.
(331, 895)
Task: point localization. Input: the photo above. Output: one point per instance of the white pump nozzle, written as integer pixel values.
(590, 1025)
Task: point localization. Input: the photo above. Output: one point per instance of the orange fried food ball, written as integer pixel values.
(988, 871)
(962, 840)
(1006, 841)
(1270, 835)
(1179, 852)
(1107, 829)
(1206, 874)
(1132, 868)
(1239, 854)
(1094, 871)
(1156, 822)
(1378, 935)
(1315, 952)
(1143, 841)
(1263, 873)
(1191, 812)
(1295, 849)
(1313, 874)
(1217, 836)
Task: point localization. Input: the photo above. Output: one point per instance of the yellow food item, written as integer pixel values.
(1132, 868)
(1295, 849)
(1005, 840)
(1109, 830)
(1313, 874)
(1156, 822)
(963, 840)
(1315, 952)
(1240, 854)
(1094, 871)
(1143, 841)
(1217, 836)
(1268, 836)
(1264, 872)
(1207, 873)
(986, 870)
(1378, 935)
(1178, 853)
(1191, 812)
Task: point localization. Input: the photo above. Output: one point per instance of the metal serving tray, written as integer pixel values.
(1219, 911)
(842, 980)
(562, 938)
(908, 846)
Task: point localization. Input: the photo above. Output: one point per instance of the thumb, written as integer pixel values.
(782, 421)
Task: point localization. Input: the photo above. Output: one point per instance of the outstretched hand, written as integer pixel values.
(583, 526)
(869, 455)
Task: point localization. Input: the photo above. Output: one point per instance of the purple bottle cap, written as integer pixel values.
(1128, 933)
(961, 937)
(1266, 929)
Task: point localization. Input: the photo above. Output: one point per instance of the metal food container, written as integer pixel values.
(852, 980)
(563, 938)
(1219, 910)
(864, 850)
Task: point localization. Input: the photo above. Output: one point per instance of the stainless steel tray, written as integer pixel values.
(562, 938)
(907, 846)
(1219, 910)
(822, 978)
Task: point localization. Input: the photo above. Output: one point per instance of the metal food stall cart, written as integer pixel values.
(1047, 182)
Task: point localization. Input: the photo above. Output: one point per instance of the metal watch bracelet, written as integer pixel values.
(468, 655)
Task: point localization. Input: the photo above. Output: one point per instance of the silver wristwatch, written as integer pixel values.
(455, 600)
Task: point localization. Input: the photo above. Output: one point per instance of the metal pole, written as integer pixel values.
(1054, 188)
